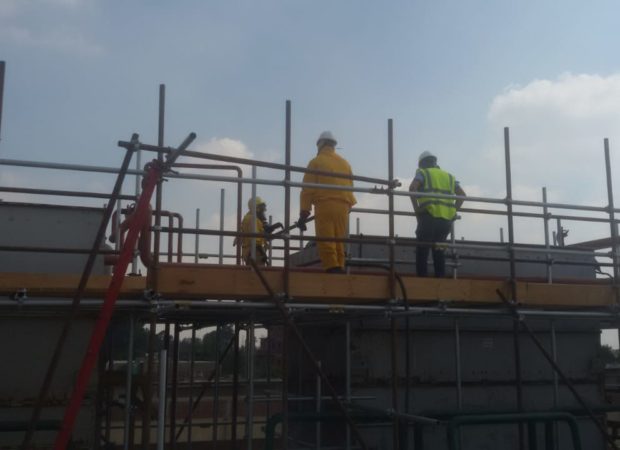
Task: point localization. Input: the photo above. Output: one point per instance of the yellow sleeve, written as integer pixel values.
(307, 196)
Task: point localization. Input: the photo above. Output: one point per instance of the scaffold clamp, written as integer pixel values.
(20, 295)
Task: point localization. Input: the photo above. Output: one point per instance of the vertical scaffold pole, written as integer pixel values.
(392, 277)
(175, 385)
(348, 371)
(287, 253)
(190, 412)
(2, 70)
(221, 237)
(235, 387)
(513, 282)
(128, 392)
(546, 223)
(250, 391)
(612, 225)
(612, 215)
(148, 394)
(161, 417)
(253, 222)
(216, 389)
(197, 237)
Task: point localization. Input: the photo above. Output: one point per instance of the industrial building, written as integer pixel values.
(502, 354)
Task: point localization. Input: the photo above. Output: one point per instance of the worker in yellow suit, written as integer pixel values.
(331, 206)
(257, 209)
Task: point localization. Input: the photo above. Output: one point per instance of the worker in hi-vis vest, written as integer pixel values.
(435, 214)
(331, 206)
(259, 207)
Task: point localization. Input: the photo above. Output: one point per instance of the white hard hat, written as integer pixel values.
(426, 154)
(326, 136)
(255, 201)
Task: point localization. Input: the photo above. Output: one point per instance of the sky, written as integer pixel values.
(83, 74)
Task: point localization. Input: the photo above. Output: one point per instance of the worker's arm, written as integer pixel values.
(306, 198)
(414, 187)
(458, 190)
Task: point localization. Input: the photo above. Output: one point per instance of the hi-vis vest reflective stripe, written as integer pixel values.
(438, 181)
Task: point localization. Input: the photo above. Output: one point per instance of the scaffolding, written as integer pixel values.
(248, 298)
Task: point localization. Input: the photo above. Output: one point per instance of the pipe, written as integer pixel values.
(196, 236)
(239, 190)
(490, 212)
(318, 411)
(134, 262)
(190, 412)
(216, 390)
(235, 389)
(348, 376)
(612, 219)
(398, 311)
(546, 228)
(221, 243)
(170, 247)
(513, 284)
(175, 381)
(556, 390)
(392, 285)
(250, 162)
(287, 255)
(2, 71)
(250, 394)
(111, 170)
(161, 418)
(457, 365)
(62, 193)
(148, 390)
(253, 219)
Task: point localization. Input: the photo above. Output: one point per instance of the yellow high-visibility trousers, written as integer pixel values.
(331, 220)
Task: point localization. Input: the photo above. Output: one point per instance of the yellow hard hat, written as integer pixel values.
(255, 201)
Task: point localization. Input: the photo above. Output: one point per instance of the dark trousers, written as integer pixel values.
(431, 230)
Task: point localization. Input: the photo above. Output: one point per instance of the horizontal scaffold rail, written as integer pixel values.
(205, 281)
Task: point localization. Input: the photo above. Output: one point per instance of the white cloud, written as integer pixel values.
(226, 147)
(557, 131)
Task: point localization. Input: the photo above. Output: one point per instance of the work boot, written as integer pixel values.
(336, 269)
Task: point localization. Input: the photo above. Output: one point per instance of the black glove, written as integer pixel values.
(301, 222)
(271, 228)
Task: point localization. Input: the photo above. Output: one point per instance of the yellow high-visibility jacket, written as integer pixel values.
(246, 227)
(438, 181)
(327, 160)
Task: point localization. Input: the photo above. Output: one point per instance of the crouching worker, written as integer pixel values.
(256, 214)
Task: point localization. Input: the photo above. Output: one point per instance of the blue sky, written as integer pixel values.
(82, 74)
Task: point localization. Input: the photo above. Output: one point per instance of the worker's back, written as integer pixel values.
(328, 160)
